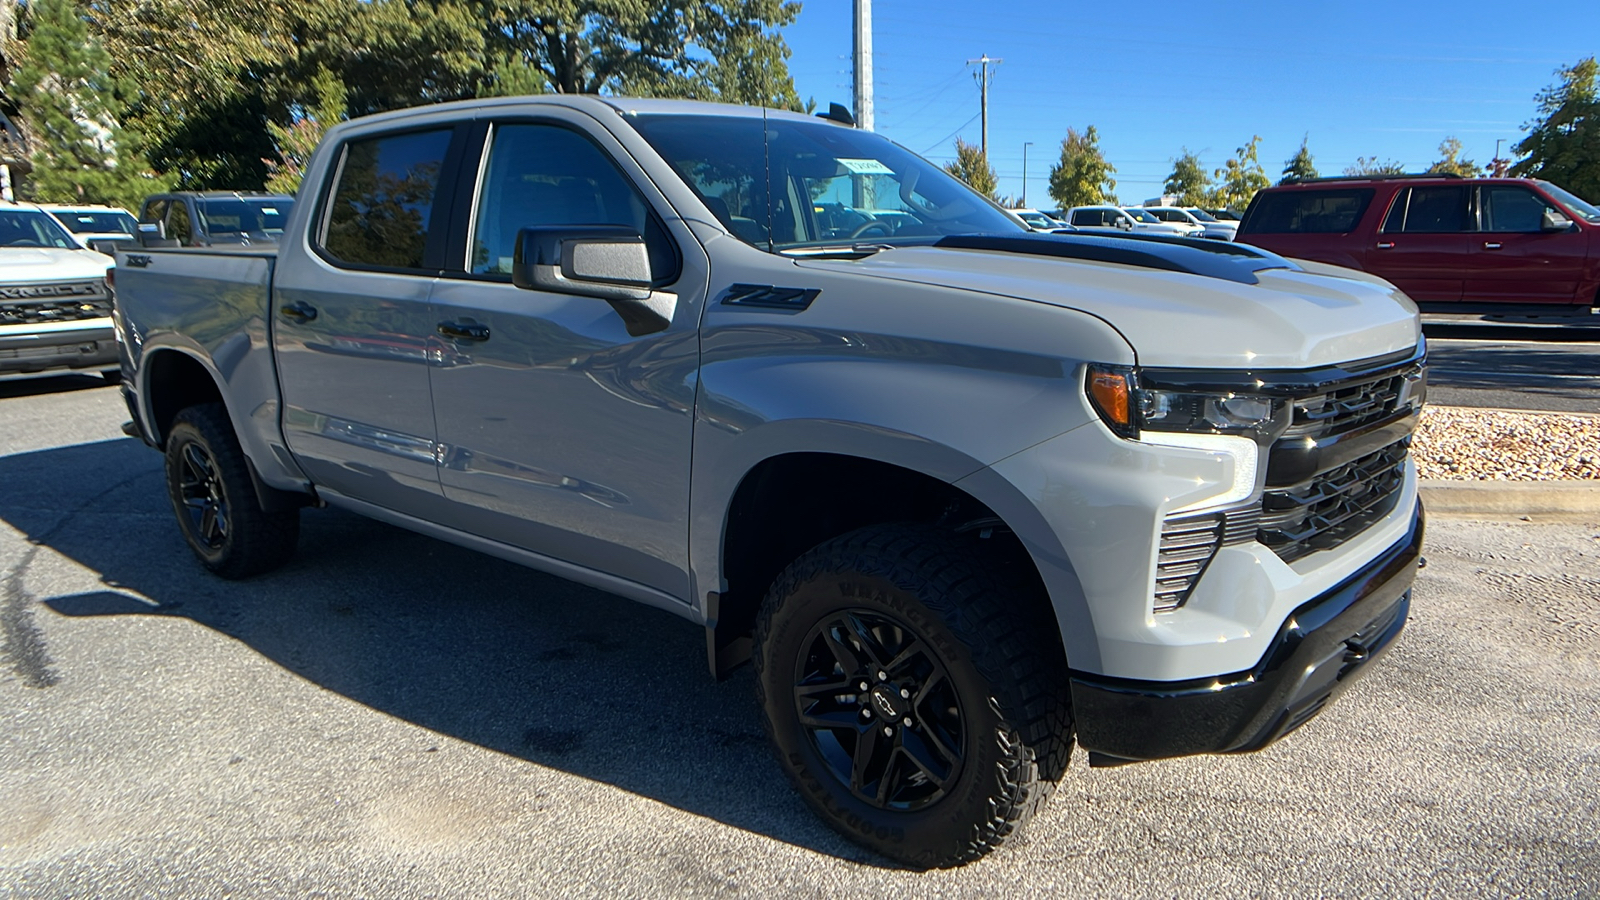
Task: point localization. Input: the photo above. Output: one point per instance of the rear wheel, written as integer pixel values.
(916, 698)
(215, 500)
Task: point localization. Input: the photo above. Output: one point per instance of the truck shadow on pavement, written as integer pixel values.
(467, 646)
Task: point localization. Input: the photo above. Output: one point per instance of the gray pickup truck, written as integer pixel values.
(965, 495)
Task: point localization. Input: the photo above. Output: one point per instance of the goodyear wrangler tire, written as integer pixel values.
(215, 500)
(918, 701)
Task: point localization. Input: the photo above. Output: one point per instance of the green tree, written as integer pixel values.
(1563, 143)
(1240, 177)
(1082, 176)
(1450, 162)
(297, 140)
(1369, 165)
(83, 150)
(1299, 167)
(972, 167)
(673, 48)
(1188, 181)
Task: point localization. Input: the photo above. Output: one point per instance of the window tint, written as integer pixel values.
(1086, 217)
(1512, 209)
(1430, 210)
(1307, 212)
(378, 214)
(546, 175)
(178, 224)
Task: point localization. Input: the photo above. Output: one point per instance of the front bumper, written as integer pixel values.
(47, 348)
(1318, 652)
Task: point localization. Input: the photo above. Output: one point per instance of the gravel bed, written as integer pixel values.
(1462, 444)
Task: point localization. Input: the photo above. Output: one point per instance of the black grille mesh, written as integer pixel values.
(40, 312)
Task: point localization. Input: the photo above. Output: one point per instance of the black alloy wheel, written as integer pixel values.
(214, 497)
(203, 497)
(880, 710)
(914, 687)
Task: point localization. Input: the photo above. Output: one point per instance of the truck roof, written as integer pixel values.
(595, 104)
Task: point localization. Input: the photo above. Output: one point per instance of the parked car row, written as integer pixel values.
(1452, 244)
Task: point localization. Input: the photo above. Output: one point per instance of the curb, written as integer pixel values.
(1571, 501)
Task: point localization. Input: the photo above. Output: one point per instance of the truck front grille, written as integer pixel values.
(57, 309)
(1333, 507)
(1354, 404)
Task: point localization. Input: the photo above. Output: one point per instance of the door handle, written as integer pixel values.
(1491, 245)
(1386, 245)
(464, 330)
(299, 311)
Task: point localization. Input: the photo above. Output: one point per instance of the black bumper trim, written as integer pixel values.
(45, 351)
(1319, 652)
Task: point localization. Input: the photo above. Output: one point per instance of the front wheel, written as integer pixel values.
(916, 696)
(215, 500)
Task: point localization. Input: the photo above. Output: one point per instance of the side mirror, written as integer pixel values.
(609, 262)
(1125, 224)
(108, 246)
(154, 234)
(1553, 222)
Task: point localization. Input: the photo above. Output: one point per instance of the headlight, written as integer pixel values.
(1127, 408)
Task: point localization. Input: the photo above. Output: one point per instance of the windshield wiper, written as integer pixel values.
(856, 250)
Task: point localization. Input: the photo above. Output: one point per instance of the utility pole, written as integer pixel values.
(862, 64)
(984, 78)
(1025, 146)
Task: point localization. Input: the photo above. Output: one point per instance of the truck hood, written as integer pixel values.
(1295, 317)
(27, 265)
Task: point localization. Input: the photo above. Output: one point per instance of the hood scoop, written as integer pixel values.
(1211, 259)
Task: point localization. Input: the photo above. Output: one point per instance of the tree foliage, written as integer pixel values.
(1188, 181)
(1240, 177)
(1451, 163)
(1370, 165)
(1299, 167)
(1563, 142)
(670, 48)
(82, 151)
(1082, 176)
(234, 93)
(972, 167)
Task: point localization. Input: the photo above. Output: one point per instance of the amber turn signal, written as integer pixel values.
(1108, 390)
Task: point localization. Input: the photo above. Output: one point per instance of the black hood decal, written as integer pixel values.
(1195, 256)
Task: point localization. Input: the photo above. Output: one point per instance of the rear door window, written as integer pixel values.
(1433, 209)
(1335, 211)
(379, 212)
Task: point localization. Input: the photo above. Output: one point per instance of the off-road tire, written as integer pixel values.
(253, 541)
(998, 642)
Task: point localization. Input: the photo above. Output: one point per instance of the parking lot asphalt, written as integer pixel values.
(390, 716)
(1527, 364)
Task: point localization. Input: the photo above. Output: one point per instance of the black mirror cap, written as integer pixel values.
(539, 254)
(154, 234)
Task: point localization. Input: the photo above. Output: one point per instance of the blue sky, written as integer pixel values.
(1387, 80)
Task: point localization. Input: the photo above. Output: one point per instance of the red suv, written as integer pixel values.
(1452, 244)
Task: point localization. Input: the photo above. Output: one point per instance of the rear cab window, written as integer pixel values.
(380, 208)
(1331, 211)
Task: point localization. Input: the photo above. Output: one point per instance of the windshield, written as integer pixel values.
(1140, 215)
(234, 216)
(829, 185)
(1225, 215)
(1585, 211)
(31, 228)
(111, 222)
(1201, 214)
(1039, 220)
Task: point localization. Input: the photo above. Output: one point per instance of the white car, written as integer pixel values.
(96, 223)
(1181, 226)
(1113, 218)
(1202, 223)
(55, 308)
(1037, 220)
